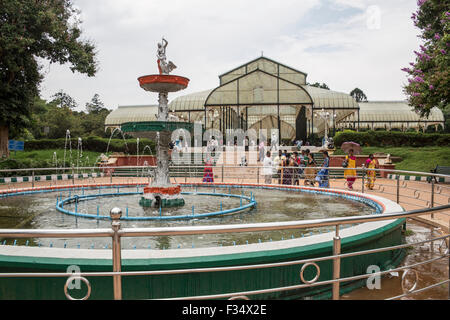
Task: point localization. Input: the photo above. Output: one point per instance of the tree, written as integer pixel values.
(359, 95)
(429, 76)
(29, 30)
(95, 106)
(62, 99)
(319, 85)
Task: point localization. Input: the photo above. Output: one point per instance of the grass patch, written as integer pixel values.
(413, 159)
(85, 159)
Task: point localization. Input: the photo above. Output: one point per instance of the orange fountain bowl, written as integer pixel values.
(172, 190)
(163, 83)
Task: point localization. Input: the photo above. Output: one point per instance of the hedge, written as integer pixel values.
(95, 144)
(392, 138)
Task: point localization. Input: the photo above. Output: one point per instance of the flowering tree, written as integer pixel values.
(429, 76)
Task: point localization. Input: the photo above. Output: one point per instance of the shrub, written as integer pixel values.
(392, 138)
(95, 144)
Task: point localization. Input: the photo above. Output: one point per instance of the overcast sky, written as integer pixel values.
(343, 43)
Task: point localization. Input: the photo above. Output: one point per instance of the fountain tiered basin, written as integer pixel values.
(163, 83)
(161, 193)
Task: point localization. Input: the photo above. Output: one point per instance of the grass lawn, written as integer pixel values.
(86, 159)
(414, 159)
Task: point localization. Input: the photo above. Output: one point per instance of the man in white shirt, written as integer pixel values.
(277, 165)
(268, 168)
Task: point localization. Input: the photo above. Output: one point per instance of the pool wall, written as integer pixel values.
(360, 237)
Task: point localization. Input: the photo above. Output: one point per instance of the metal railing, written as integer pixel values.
(434, 203)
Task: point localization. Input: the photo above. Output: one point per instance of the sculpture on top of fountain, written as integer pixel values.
(164, 66)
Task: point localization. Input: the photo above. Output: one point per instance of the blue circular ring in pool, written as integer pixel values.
(77, 198)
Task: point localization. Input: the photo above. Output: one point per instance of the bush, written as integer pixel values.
(392, 138)
(95, 144)
(23, 164)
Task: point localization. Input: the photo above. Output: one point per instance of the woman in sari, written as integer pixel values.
(350, 172)
(310, 171)
(371, 163)
(287, 171)
(208, 171)
(322, 175)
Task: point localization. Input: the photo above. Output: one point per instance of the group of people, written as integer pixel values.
(350, 172)
(290, 168)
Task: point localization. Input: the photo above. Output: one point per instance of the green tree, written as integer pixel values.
(319, 85)
(62, 99)
(29, 30)
(429, 75)
(359, 95)
(96, 105)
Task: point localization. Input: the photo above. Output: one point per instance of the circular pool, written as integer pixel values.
(42, 210)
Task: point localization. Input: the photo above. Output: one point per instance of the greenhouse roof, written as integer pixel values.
(125, 114)
(386, 111)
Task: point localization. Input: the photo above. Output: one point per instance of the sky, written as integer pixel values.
(343, 43)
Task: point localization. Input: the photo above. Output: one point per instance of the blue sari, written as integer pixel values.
(322, 175)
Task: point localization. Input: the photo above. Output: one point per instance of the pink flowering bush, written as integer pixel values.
(429, 75)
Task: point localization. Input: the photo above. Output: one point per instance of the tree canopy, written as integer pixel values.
(319, 85)
(29, 30)
(51, 120)
(359, 95)
(429, 75)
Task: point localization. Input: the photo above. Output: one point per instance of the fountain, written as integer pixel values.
(65, 148)
(161, 193)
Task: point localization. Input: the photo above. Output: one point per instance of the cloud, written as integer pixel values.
(327, 39)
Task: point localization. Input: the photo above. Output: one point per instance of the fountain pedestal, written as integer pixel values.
(161, 193)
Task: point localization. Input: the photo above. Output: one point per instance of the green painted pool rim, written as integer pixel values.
(263, 253)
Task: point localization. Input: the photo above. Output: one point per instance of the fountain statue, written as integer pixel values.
(161, 192)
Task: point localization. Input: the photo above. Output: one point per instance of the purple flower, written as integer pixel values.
(443, 51)
(419, 79)
(437, 36)
(406, 70)
(421, 2)
(431, 87)
(415, 94)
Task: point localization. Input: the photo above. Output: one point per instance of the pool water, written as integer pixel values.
(37, 211)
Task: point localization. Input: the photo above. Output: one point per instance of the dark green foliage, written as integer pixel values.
(32, 30)
(359, 95)
(319, 85)
(96, 144)
(392, 138)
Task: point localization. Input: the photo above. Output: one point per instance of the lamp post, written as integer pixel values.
(325, 115)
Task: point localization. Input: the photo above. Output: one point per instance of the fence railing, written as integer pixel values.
(435, 200)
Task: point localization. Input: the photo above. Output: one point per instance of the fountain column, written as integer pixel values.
(160, 193)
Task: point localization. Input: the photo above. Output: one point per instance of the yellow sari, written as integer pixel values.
(350, 172)
(371, 174)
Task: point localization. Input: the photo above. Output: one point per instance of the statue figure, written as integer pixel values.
(163, 66)
(388, 159)
(274, 142)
